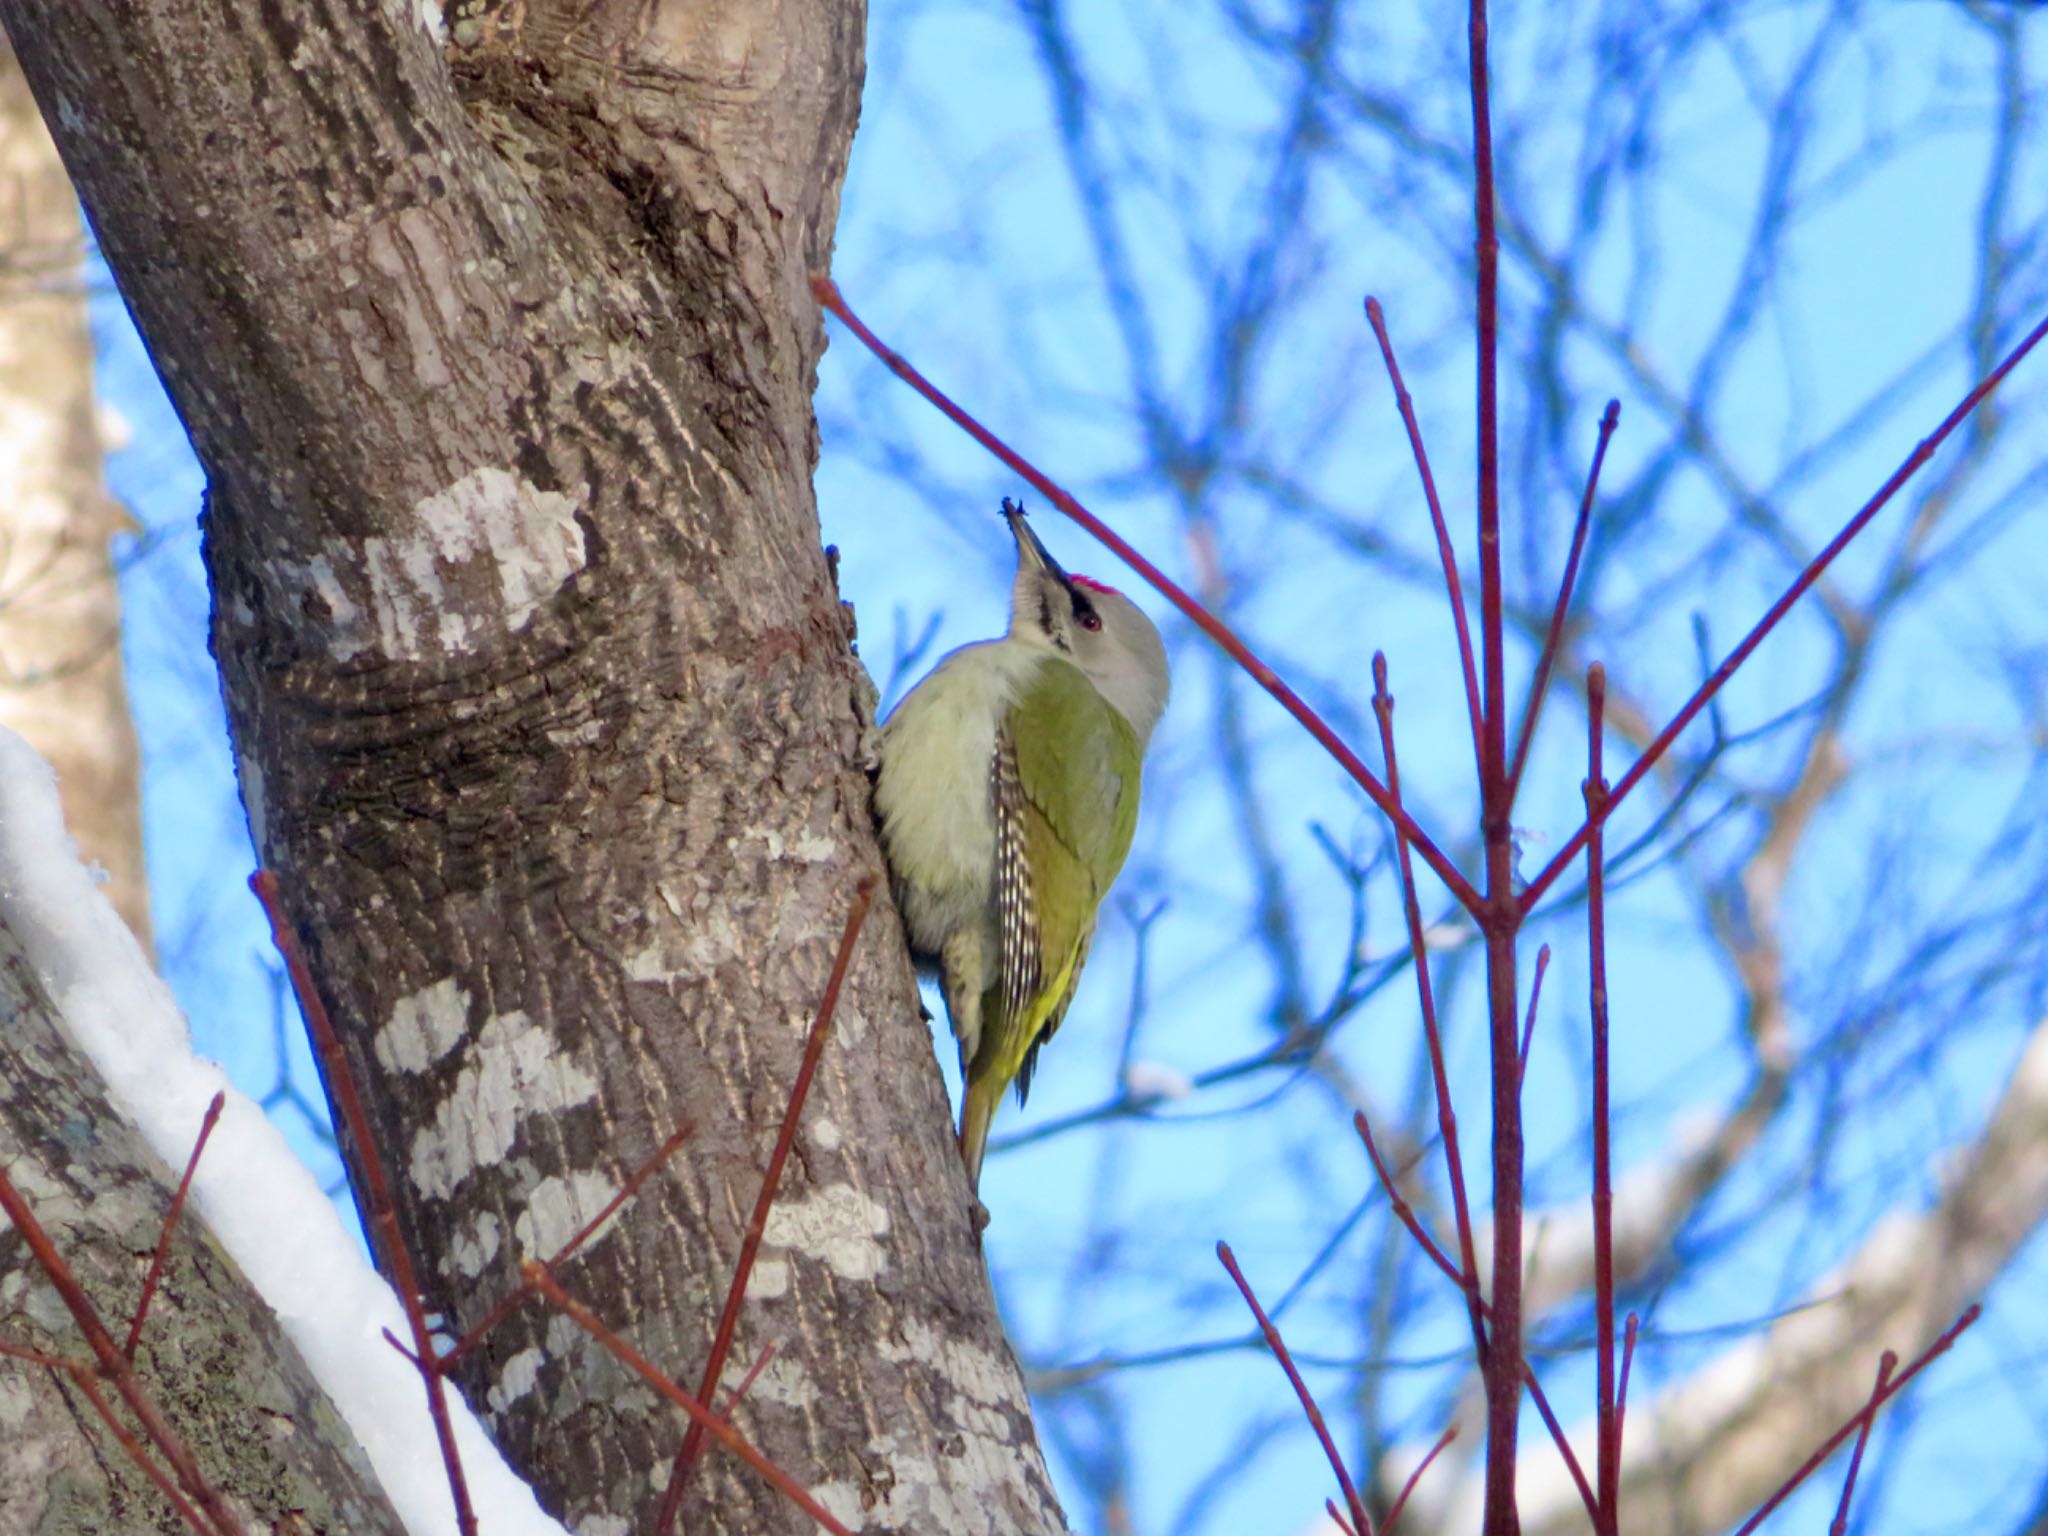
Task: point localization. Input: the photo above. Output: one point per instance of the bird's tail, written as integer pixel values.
(979, 1108)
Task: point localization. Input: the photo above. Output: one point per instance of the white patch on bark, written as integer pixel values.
(838, 1225)
(472, 1251)
(490, 519)
(424, 1027)
(978, 1420)
(650, 964)
(842, 1502)
(251, 778)
(806, 850)
(921, 1493)
(825, 1134)
(557, 1209)
(607, 1525)
(768, 1278)
(15, 1402)
(512, 1069)
(977, 1372)
(516, 1378)
(707, 941)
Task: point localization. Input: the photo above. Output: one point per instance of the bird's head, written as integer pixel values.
(1094, 626)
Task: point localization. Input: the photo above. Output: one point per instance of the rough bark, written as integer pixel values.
(61, 682)
(499, 365)
(212, 1356)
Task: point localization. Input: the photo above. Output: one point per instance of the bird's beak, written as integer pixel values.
(1031, 555)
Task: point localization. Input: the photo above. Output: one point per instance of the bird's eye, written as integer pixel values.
(1087, 617)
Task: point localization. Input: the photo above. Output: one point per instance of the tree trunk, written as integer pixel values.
(499, 364)
(212, 1354)
(60, 606)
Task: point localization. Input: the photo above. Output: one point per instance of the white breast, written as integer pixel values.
(938, 826)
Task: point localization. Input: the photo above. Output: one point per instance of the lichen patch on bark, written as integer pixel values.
(424, 1026)
(837, 1225)
(492, 526)
(514, 1068)
(556, 1210)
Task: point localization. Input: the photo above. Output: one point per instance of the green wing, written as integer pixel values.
(1066, 799)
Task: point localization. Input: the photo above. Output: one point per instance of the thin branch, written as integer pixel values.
(1498, 915)
(750, 1245)
(509, 1304)
(1529, 1022)
(745, 1385)
(1360, 1520)
(1628, 1358)
(1563, 1443)
(1862, 1416)
(1607, 1460)
(1446, 555)
(383, 1213)
(1539, 683)
(537, 1276)
(163, 1241)
(828, 295)
(1447, 1118)
(1406, 1212)
(219, 1518)
(81, 1376)
(1401, 1498)
(1812, 573)
(1886, 1364)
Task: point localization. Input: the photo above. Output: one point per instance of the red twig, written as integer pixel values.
(1564, 1445)
(1361, 1521)
(1404, 1211)
(1445, 553)
(1447, 1119)
(510, 1304)
(34, 1356)
(163, 1240)
(537, 1277)
(1529, 1022)
(1863, 1415)
(1815, 568)
(1401, 1498)
(750, 1245)
(828, 295)
(1607, 1460)
(1886, 1364)
(383, 1213)
(114, 1364)
(1539, 683)
(1628, 1356)
(1337, 1517)
(746, 1383)
(1498, 915)
(82, 1377)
